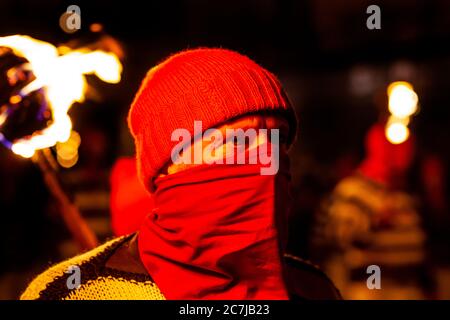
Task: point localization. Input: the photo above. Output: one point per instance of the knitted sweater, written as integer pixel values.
(113, 271)
(100, 279)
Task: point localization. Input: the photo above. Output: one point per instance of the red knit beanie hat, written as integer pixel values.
(208, 85)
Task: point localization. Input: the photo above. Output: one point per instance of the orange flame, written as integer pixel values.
(62, 76)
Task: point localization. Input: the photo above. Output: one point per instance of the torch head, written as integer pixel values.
(20, 115)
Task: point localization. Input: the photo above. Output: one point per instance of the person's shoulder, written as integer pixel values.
(57, 272)
(307, 281)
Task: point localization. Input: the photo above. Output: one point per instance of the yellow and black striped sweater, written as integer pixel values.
(100, 278)
(113, 271)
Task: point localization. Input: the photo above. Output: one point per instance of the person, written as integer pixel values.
(218, 226)
(129, 201)
(370, 218)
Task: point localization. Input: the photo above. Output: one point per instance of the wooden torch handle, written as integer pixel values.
(81, 232)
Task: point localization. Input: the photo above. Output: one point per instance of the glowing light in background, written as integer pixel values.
(3, 117)
(397, 132)
(61, 73)
(403, 102)
(67, 152)
(402, 99)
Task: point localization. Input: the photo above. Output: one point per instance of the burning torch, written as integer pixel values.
(38, 84)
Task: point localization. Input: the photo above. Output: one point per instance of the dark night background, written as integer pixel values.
(318, 48)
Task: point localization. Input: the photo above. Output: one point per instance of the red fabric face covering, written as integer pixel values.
(213, 235)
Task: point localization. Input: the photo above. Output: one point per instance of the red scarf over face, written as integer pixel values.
(213, 235)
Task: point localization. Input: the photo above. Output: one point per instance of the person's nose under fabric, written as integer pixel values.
(218, 227)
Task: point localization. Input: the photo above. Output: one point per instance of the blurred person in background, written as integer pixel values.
(371, 219)
(130, 202)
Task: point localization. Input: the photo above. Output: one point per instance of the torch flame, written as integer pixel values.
(62, 76)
